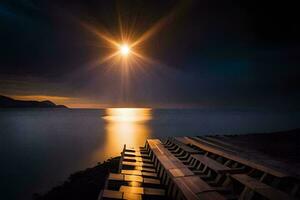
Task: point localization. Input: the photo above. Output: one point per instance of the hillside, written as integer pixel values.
(7, 102)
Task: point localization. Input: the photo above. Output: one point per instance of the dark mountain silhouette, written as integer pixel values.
(7, 102)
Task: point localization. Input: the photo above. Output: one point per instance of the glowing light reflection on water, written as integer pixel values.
(125, 126)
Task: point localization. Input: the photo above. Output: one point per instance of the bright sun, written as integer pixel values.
(124, 49)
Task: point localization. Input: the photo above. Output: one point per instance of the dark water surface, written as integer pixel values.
(39, 148)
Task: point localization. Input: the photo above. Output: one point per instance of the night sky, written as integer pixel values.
(206, 53)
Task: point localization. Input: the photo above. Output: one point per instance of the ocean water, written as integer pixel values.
(40, 148)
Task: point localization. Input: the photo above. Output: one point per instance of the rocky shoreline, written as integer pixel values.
(85, 184)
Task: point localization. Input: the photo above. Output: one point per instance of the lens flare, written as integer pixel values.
(124, 49)
(127, 48)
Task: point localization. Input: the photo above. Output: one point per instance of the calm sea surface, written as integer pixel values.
(39, 148)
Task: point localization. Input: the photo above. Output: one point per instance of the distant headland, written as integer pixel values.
(7, 102)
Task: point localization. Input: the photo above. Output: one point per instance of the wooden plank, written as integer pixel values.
(137, 159)
(133, 190)
(154, 191)
(261, 188)
(137, 151)
(112, 194)
(194, 183)
(244, 161)
(133, 178)
(133, 149)
(192, 186)
(144, 169)
(138, 172)
(158, 148)
(225, 148)
(184, 147)
(187, 182)
(169, 161)
(135, 154)
(151, 181)
(134, 172)
(116, 177)
(212, 164)
(142, 190)
(178, 172)
(132, 196)
(226, 144)
(138, 164)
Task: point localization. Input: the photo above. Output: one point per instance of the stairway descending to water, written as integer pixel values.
(197, 168)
